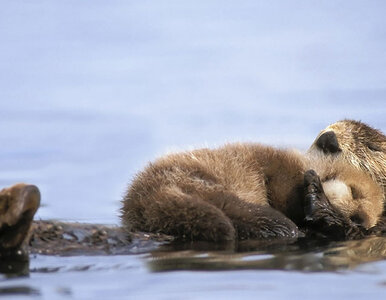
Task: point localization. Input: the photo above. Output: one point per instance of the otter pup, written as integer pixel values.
(242, 191)
(18, 205)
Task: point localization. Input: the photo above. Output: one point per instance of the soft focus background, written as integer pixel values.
(90, 91)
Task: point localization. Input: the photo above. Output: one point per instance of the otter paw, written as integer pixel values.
(315, 199)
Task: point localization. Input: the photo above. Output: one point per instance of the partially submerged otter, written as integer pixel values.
(250, 191)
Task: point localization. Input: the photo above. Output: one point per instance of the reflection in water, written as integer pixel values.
(301, 255)
(18, 291)
(15, 264)
(310, 255)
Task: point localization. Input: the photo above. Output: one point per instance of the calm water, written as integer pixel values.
(91, 91)
(313, 270)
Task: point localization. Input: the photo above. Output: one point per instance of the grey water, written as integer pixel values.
(90, 91)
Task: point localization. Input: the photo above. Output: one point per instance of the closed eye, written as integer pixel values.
(356, 194)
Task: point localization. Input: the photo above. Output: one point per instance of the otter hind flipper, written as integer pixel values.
(18, 205)
(256, 221)
(172, 212)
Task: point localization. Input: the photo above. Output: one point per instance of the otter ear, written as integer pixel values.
(373, 147)
(328, 143)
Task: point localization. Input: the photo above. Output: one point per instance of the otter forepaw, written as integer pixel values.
(315, 199)
(321, 215)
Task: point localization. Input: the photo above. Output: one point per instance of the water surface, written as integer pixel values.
(308, 268)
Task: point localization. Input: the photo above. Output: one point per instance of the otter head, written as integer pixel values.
(359, 198)
(355, 143)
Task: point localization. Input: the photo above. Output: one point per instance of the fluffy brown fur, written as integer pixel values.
(246, 191)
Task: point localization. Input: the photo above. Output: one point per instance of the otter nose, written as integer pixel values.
(328, 142)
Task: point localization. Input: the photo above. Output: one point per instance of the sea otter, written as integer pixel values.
(218, 187)
(242, 191)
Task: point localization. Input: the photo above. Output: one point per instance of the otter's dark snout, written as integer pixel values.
(328, 142)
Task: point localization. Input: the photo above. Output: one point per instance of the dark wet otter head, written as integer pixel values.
(18, 205)
(356, 143)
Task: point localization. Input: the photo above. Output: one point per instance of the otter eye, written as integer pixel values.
(373, 147)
